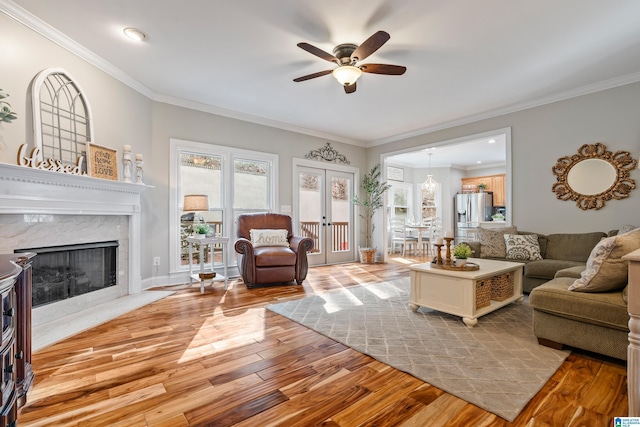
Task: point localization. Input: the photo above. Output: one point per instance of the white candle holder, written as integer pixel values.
(126, 167)
(139, 164)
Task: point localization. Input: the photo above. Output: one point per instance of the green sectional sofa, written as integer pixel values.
(593, 320)
(558, 251)
(597, 322)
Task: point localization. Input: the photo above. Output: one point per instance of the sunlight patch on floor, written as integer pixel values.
(333, 299)
(384, 290)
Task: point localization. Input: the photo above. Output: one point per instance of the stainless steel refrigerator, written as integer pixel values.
(469, 210)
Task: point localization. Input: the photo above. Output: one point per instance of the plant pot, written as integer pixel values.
(200, 236)
(460, 262)
(367, 255)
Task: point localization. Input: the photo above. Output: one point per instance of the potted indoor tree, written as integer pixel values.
(372, 201)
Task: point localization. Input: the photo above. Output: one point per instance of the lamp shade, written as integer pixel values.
(196, 202)
(347, 74)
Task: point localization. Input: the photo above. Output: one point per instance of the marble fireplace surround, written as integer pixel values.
(43, 208)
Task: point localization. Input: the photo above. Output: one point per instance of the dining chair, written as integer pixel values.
(430, 236)
(399, 235)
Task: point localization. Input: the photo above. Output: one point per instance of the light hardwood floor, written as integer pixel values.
(221, 359)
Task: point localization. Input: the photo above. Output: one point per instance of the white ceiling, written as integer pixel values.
(477, 153)
(465, 59)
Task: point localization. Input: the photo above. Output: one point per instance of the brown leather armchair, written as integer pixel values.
(271, 264)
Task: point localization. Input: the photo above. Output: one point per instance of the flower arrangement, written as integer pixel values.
(462, 251)
(202, 229)
(6, 115)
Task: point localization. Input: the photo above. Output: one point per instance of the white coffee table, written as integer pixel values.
(454, 292)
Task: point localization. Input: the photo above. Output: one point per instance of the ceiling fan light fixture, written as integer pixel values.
(347, 74)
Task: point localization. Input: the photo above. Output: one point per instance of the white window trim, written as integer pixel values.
(228, 155)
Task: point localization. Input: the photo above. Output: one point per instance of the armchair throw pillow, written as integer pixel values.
(492, 241)
(522, 247)
(606, 270)
(268, 237)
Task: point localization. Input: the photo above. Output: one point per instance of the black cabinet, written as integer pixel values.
(16, 375)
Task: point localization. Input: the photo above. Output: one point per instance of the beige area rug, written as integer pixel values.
(497, 365)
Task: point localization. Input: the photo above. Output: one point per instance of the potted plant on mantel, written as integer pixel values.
(6, 115)
(374, 190)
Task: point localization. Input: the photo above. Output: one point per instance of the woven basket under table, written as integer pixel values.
(483, 292)
(502, 287)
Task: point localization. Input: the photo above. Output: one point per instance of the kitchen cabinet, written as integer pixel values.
(494, 183)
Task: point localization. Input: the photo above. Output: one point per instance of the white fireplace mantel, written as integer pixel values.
(25, 190)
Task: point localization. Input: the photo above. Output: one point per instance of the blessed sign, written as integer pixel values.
(102, 162)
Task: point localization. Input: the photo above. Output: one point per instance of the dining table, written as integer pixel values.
(421, 229)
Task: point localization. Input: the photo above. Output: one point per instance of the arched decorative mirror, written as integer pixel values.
(593, 176)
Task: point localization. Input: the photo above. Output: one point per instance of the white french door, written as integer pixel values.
(324, 210)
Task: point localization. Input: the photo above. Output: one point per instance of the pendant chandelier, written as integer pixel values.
(430, 185)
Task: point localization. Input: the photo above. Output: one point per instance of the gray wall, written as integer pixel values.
(543, 134)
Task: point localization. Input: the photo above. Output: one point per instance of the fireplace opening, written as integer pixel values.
(61, 272)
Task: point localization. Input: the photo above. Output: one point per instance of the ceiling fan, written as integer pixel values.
(346, 57)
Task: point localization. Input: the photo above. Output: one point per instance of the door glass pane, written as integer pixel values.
(340, 214)
(310, 199)
(200, 174)
(251, 185)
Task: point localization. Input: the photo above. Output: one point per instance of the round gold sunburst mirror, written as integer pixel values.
(593, 176)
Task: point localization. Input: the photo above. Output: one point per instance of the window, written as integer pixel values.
(400, 201)
(235, 181)
(251, 183)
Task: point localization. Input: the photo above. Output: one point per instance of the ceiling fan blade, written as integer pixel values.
(318, 52)
(350, 88)
(394, 70)
(370, 45)
(313, 76)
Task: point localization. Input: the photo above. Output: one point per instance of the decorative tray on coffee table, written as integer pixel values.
(469, 266)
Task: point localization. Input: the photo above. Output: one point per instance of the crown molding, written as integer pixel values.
(560, 96)
(180, 102)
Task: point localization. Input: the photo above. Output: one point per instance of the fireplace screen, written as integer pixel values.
(62, 272)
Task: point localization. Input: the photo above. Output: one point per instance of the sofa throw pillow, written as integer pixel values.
(522, 247)
(606, 270)
(492, 241)
(267, 237)
(627, 228)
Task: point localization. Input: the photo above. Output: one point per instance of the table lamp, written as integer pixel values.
(195, 203)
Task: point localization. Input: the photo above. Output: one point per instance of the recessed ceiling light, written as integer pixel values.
(478, 161)
(491, 141)
(134, 34)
